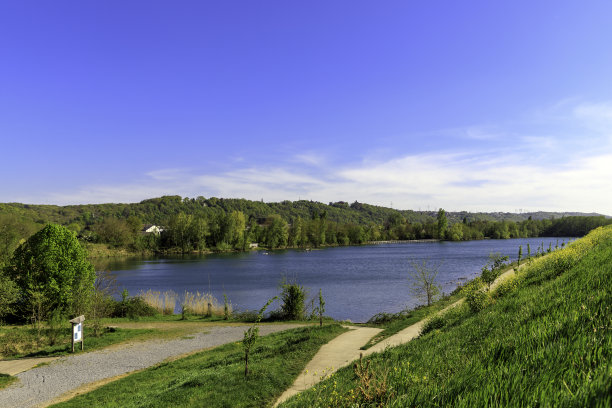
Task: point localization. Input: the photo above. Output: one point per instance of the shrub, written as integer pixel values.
(436, 322)
(133, 307)
(505, 287)
(468, 287)
(477, 300)
(292, 296)
(245, 315)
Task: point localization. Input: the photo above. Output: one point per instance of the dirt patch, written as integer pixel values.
(13, 367)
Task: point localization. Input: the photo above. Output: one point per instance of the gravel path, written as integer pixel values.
(43, 384)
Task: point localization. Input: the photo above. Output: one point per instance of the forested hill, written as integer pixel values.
(159, 210)
(234, 224)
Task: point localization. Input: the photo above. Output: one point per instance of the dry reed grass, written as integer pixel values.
(197, 304)
(163, 302)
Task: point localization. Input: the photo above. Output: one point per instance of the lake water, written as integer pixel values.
(357, 282)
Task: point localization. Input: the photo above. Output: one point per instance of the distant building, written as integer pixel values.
(253, 245)
(152, 229)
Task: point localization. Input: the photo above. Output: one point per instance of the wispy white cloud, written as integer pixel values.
(542, 169)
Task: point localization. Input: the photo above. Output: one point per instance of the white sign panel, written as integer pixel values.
(77, 332)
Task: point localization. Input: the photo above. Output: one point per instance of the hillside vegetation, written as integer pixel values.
(233, 224)
(541, 339)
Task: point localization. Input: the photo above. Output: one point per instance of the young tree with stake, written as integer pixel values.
(250, 336)
(423, 282)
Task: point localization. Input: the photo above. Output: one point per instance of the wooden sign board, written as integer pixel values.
(77, 331)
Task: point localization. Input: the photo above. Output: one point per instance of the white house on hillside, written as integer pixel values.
(152, 229)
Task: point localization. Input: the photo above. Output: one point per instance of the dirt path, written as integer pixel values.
(13, 367)
(345, 348)
(336, 354)
(42, 385)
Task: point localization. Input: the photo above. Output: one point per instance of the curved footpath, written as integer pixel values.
(345, 349)
(43, 385)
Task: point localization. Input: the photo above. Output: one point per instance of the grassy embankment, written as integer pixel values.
(394, 323)
(542, 339)
(215, 378)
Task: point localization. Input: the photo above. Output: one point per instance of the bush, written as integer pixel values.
(292, 296)
(133, 307)
(436, 322)
(383, 317)
(477, 300)
(506, 287)
(470, 286)
(245, 315)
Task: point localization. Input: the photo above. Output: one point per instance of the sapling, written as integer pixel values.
(250, 335)
(528, 251)
(496, 262)
(321, 308)
(226, 312)
(520, 254)
(184, 311)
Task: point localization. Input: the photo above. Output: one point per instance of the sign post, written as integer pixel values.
(77, 331)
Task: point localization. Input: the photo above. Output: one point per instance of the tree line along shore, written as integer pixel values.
(185, 225)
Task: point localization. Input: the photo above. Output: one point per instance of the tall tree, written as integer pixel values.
(277, 232)
(442, 223)
(51, 271)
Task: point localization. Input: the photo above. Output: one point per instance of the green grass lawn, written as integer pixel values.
(6, 380)
(215, 378)
(546, 343)
(21, 341)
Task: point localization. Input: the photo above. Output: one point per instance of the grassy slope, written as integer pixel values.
(409, 318)
(215, 378)
(546, 343)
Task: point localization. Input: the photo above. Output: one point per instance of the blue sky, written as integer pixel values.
(474, 105)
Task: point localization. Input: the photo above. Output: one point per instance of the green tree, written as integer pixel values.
(277, 232)
(295, 232)
(456, 232)
(199, 231)
(442, 223)
(423, 282)
(520, 254)
(8, 294)
(114, 231)
(51, 272)
(236, 226)
(13, 231)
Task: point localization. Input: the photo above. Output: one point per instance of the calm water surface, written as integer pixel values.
(357, 282)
